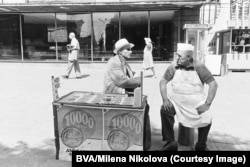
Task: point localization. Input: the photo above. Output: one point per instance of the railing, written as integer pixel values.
(239, 12)
(237, 7)
(209, 12)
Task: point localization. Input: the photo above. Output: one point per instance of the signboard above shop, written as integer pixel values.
(62, 6)
(197, 26)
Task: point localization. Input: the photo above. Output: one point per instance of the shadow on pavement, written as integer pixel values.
(217, 141)
(82, 76)
(85, 76)
(148, 76)
(23, 155)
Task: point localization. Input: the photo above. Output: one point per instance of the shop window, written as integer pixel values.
(105, 34)
(241, 40)
(80, 24)
(134, 27)
(161, 34)
(38, 43)
(10, 48)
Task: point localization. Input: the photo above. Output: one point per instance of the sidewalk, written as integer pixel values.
(26, 119)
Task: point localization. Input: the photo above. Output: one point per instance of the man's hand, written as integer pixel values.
(167, 104)
(137, 74)
(202, 108)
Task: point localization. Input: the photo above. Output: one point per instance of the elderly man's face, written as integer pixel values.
(71, 36)
(126, 52)
(183, 58)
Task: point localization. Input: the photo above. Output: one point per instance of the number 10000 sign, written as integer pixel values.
(77, 117)
(127, 121)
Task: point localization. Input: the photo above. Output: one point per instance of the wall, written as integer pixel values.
(186, 16)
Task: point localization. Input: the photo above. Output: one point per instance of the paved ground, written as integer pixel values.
(26, 119)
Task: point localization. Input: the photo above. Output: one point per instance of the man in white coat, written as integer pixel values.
(187, 100)
(73, 49)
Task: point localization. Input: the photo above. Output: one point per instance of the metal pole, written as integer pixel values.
(120, 26)
(248, 14)
(237, 14)
(56, 38)
(198, 45)
(21, 35)
(179, 25)
(148, 23)
(209, 8)
(231, 36)
(217, 43)
(186, 35)
(243, 14)
(203, 19)
(215, 11)
(92, 37)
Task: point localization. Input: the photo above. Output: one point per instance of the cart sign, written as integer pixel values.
(197, 26)
(123, 130)
(99, 128)
(96, 121)
(79, 129)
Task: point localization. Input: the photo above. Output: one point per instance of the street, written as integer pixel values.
(26, 119)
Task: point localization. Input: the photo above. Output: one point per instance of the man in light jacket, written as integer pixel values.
(119, 76)
(120, 79)
(73, 49)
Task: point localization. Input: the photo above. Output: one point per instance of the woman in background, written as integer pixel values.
(148, 57)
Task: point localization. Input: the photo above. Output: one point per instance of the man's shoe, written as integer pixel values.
(199, 148)
(170, 146)
(65, 76)
(78, 77)
(206, 149)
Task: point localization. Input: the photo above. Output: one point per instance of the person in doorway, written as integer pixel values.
(148, 57)
(241, 45)
(119, 77)
(191, 41)
(187, 99)
(73, 49)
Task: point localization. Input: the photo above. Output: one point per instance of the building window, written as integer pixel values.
(240, 40)
(10, 47)
(45, 35)
(160, 33)
(105, 34)
(38, 42)
(134, 27)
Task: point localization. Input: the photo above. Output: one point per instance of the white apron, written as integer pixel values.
(187, 94)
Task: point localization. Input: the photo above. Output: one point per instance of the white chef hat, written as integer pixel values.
(185, 47)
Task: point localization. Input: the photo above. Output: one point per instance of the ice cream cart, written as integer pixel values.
(97, 121)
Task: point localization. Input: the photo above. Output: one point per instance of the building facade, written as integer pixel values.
(35, 30)
(227, 41)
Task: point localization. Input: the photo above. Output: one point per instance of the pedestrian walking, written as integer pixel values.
(148, 56)
(73, 49)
